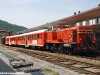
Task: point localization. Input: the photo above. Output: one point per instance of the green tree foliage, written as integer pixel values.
(8, 26)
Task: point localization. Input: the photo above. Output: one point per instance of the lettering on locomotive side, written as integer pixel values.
(12, 42)
(34, 41)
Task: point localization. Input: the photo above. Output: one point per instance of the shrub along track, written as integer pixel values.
(78, 66)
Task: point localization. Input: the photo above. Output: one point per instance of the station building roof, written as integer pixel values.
(5, 30)
(81, 16)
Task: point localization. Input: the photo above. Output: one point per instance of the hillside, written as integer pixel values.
(8, 26)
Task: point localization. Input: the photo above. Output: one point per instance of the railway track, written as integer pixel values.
(75, 65)
(94, 56)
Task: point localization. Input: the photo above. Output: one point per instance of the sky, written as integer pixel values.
(33, 13)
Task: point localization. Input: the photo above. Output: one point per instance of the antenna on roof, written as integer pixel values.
(78, 12)
(74, 13)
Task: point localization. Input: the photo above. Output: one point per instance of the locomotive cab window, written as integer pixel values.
(59, 27)
(54, 28)
(49, 28)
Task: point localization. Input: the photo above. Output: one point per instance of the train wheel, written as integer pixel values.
(53, 48)
(44, 47)
(73, 50)
(60, 48)
(32, 47)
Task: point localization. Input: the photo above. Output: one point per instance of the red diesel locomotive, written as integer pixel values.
(59, 38)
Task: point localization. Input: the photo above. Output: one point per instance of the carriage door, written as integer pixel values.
(26, 40)
(9, 41)
(74, 35)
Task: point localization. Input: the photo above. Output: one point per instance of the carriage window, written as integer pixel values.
(28, 37)
(37, 36)
(20, 38)
(40, 36)
(23, 38)
(34, 36)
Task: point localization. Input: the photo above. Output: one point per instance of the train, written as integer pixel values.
(57, 38)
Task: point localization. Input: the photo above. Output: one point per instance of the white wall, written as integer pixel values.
(84, 23)
(90, 22)
(94, 21)
(77, 24)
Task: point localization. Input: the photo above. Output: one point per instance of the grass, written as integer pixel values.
(11, 54)
(2, 48)
(62, 56)
(48, 70)
(56, 74)
(80, 71)
(98, 64)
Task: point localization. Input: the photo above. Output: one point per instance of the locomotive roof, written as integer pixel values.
(39, 31)
(92, 13)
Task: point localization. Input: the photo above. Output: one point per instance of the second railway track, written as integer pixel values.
(79, 66)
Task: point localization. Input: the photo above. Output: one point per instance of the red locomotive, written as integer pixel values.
(59, 38)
